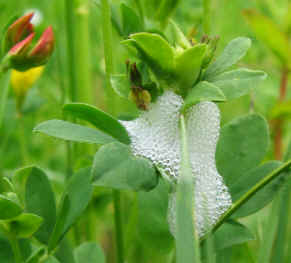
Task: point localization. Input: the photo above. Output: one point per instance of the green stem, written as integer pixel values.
(4, 93)
(22, 141)
(108, 52)
(15, 248)
(206, 16)
(187, 241)
(248, 195)
(118, 226)
(71, 58)
(82, 41)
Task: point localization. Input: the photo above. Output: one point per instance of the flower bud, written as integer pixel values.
(211, 48)
(141, 97)
(21, 53)
(22, 81)
(18, 31)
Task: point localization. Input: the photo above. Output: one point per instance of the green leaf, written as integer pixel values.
(36, 255)
(73, 132)
(281, 110)
(203, 91)
(262, 197)
(239, 82)
(270, 34)
(9, 208)
(234, 51)
(51, 259)
(19, 181)
(99, 119)
(121, 85)
(5, 185)
(89, 252)
(231, 233)
(40, 200)
(188, 65)
(242, 145)
(116, 167)
(64, 252)
(178, 36)
(167, 7)
(25, 225)
(6, 253)
(74, 202)
(152, 218)
(130, 21)
(156, 52)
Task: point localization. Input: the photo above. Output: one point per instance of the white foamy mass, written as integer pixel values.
(155, 135)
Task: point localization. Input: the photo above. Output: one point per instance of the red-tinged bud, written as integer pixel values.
(21, 47)
(22, 54)
(44, 48)
(18, 31)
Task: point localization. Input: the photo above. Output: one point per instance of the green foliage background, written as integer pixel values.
(227, 21)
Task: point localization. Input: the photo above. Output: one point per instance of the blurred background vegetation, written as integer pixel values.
(46, 98)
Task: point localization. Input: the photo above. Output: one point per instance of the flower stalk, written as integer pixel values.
(108, 55)
(187, 241)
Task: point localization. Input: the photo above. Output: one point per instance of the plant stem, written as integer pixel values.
(206, 16)
(109, 69)
(83, 55)
(15, 248)
(187, 241)
(248, 195)
(22, 141)
(108, 52)
(118, 226)
(278, 126)
(4, 94)
(71, 57)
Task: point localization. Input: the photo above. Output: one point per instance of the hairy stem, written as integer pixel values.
(187, 241)
(248, 195)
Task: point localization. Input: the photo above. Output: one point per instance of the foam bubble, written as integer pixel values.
(155, 135)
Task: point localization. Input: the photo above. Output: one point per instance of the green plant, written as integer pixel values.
(179, 183)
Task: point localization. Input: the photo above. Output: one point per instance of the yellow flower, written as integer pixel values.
(23, 81)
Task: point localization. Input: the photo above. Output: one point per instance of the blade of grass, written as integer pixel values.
(187, 241)
(285, 167)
